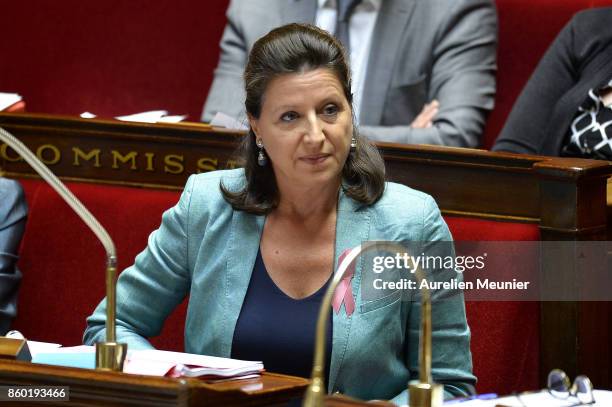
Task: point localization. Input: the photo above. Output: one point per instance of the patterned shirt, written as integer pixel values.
(590, 134)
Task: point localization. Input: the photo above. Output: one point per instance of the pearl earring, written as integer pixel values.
(262, 160)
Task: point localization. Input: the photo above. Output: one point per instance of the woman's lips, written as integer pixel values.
(315, 159)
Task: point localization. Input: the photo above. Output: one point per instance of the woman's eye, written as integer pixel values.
(330, 110)
(289, 116)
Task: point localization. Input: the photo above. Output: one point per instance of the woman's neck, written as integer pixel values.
(307, 203)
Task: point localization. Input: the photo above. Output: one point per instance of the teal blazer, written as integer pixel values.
(206, 250)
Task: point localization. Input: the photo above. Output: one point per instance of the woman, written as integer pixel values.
(255, 248)
(566, 107)
(13, 212)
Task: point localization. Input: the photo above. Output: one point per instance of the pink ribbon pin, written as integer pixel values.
(344, 291)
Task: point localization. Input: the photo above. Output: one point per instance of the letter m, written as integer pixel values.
(131, 156)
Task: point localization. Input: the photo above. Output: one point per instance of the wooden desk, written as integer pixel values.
(95, 388)
(565, 197)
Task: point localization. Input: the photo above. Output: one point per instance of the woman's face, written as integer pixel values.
(306, 127)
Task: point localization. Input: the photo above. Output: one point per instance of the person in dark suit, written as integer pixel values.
(423, 71)
(13, 212)
(566, 107)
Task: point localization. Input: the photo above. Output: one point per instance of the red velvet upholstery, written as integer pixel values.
(117, 57)
(503, 361)
(63, 263)
(111, 57)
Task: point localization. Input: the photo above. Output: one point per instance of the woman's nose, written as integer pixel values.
(314, 129)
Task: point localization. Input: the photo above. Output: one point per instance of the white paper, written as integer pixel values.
(34, 346)
(8, 99)
(189, 359)
(154, 116)
(540, 399)
(195, 371)
(74, 349)
(42, 347)
(223, 120)
(14, 335)
(537, 399)
(159, 363)
(145, 117)
(172, 118)
(147, 367)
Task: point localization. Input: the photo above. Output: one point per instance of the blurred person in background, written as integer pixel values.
(423, 72)
(13, 212)
(566, 107)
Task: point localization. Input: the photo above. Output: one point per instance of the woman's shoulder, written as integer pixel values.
(405, 213)
(399, 198)
(204, 190)
(202, 196)
(395, 191)
(206, 186)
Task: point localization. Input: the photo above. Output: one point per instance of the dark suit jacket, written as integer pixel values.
(13, 212)
(579, 59)
(421, 50)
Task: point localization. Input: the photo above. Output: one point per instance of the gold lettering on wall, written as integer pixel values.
(150, 157)
(174, 164)
(117, 156)
(41, 153)
(4, 149)
(134, 162)
(78, 153)
(207, 164)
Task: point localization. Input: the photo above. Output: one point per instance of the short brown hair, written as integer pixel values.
(296, 48)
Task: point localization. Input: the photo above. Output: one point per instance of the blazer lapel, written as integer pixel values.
(299, 11)
(352, 228)
(390, 24)
(242, 253)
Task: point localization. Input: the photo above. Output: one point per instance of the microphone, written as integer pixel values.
(110, 355)
(423, 392)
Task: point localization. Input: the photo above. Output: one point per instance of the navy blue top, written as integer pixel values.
(277, 329)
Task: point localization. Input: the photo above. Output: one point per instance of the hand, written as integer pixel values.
(425, 118)
(606, 97)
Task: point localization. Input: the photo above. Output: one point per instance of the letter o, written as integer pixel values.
(4, 154)
(48, 147)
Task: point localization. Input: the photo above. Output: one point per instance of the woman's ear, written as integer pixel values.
(254, 124)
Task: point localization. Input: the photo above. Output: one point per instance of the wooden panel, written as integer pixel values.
(119, 152)
(95, 388)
